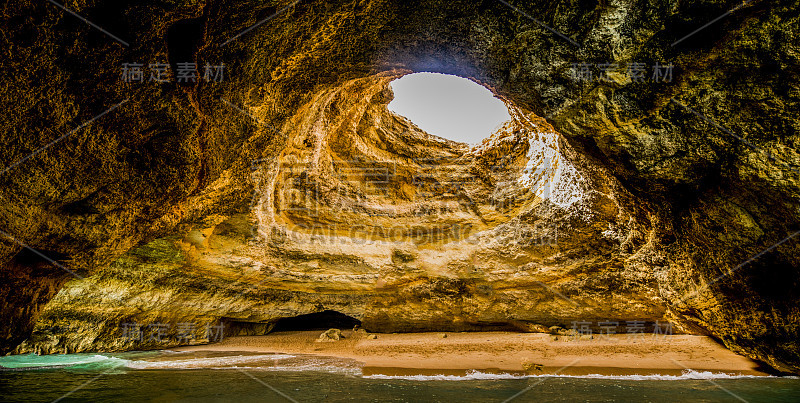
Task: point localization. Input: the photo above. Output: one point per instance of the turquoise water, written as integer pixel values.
(242, 377)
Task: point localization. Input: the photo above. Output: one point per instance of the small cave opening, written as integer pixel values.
(316, 321)
(448, 106)
(313, 321)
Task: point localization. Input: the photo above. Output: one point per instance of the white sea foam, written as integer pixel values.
(260, 362)
(470, 376)
(332, 369)
(477, 375)
(207, 362)
(299, 363)
(686, 375)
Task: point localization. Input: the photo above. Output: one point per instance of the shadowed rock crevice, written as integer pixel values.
(184, 39)
(28, 283)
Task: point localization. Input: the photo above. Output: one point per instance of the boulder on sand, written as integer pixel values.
(330, 335)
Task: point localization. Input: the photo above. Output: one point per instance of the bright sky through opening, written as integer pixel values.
(448, 106)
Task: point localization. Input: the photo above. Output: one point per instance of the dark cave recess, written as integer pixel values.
(313, 321)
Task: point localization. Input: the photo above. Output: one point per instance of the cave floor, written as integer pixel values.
(456, 353)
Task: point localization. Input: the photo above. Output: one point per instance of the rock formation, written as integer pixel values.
(287, 188)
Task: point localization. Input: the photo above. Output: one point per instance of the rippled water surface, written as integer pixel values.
(246, 377)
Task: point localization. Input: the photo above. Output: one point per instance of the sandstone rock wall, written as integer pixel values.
(691, 207)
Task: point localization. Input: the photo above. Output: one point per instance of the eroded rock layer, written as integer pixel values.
(287, 188)
(362, 213)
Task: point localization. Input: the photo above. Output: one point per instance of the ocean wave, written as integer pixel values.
(172, 360)
(32, 361)
(470, 376)
(686, 375)
(260, 362)
(206, 362)
(477, 375)
(332, 369)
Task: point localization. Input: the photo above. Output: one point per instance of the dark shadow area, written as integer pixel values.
(38, 263)
(183, 40)
(29, 280)
(316, 321)
(112, 16)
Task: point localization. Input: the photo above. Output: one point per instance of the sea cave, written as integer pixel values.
(266, 168)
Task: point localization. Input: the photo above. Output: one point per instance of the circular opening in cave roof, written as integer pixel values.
(448, 106)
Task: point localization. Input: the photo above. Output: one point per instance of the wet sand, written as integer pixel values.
(504, 352)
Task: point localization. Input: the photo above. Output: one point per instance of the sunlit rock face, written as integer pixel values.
(288, 188)
(361, 212)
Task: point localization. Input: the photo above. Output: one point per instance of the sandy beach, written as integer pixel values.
(506, 352)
